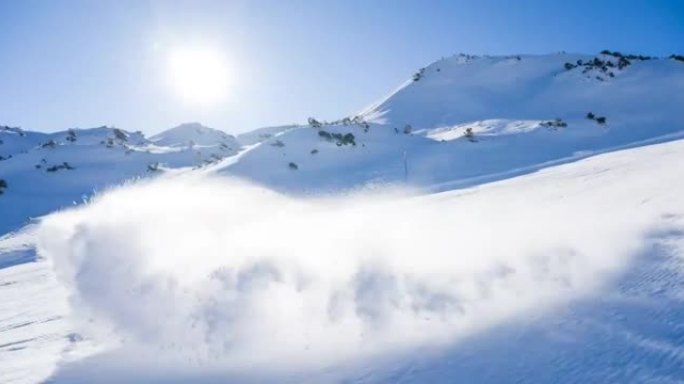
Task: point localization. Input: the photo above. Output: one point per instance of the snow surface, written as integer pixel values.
(510, 103)
(305, 254)
(581, 282)
(39, 182)
(195, 134)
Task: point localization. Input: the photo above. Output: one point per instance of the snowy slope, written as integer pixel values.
(466, 119)
(562, 273)
(195, 134)
(45, 172)
(462, 121)
(466, 88)
(583, 282)
(261, 134)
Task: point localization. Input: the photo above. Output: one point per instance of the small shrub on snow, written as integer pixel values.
(418, 75)
(679, 58)
(314, 151)
(338, 138)
(314, 123)
(556, 123)
(469, 134)
(71, 135)
(3, 186)
(601, 120)
(325, 135)
(120, 134)
(347, 138)
(278, 144)
(591, 116)
(153, 167)
(623, 63)
(293, 166)
(55, 168)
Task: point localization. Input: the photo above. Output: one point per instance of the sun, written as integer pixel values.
(199, 75)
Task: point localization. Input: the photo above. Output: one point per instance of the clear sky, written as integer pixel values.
(86, 63)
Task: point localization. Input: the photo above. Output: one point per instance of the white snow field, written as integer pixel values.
(570, 274)
(495, 219)
(511, 105)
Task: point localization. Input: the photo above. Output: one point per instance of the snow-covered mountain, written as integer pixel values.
(457, 122)
(196, 135)
(241, 251)
(566, 275)
(466, 119)
(44, 172)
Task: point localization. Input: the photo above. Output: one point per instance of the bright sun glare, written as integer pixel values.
(199, 75)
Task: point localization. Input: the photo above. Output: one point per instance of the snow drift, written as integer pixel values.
(220, 272)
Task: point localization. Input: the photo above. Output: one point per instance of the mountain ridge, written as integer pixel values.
(460, 119)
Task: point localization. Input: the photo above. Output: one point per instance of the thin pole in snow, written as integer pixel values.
(405, 167)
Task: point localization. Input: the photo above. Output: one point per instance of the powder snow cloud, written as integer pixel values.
(234, 274)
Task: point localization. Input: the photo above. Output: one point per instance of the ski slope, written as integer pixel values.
(583, 282)
(494, 219)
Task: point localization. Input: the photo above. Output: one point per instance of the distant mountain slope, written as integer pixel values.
(460, 121)
(195, 134)
(44, 172)
(466, 119)
(262, 134)
(464, 88)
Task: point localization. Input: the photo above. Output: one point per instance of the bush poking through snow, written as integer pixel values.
(408, 129)
(55, 168)
(553, 124)
(338, 138)
(314, 123)
(679, 58)
(314, 151)
(605, 64)
(3, 186)
(49, 144)
(120, 134)
(153, 167)
(599, 119)
(469, 134)
(293, 166)
(278, 144)
(418, 75)
(71, 136)
(325, 135)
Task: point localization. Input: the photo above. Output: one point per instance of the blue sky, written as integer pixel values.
(87, 63)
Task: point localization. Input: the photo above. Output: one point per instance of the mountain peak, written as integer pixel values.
(193, 133)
